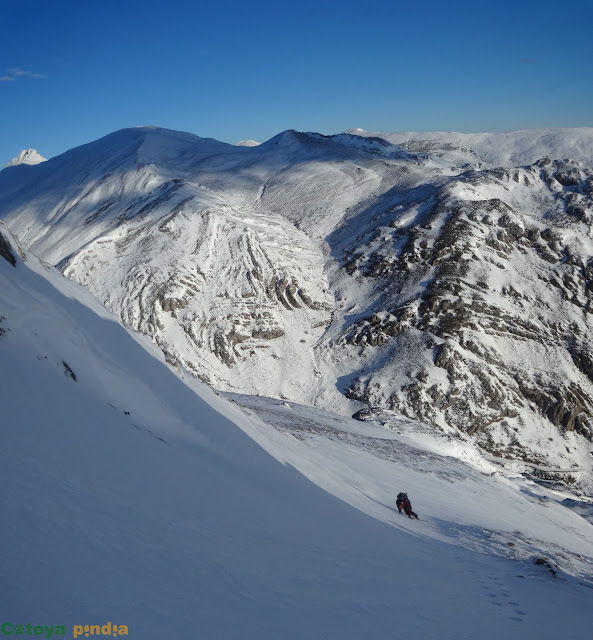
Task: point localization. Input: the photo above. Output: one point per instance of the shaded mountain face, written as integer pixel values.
(357, 272)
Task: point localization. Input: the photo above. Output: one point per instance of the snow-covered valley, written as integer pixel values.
(133, 493)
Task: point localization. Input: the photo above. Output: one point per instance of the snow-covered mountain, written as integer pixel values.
(443, 276)
(134, 497)
(483, 314)
(488, 150)
(27, 156)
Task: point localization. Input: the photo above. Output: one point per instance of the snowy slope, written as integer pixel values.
(129, 497)
(467, 499)
(396, 272)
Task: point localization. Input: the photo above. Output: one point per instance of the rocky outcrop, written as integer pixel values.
(491, 302)
(5, 250)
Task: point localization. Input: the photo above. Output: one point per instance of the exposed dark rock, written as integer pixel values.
(267, 334)
(5, 251)
(68, 371)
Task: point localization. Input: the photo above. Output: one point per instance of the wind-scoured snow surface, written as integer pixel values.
(446, 277)
(129, 496)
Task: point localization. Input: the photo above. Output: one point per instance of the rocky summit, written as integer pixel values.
(446, 277)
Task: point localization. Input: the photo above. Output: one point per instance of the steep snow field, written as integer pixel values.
(128, 496)
(469, 499)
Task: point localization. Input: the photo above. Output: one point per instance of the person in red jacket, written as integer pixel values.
(404, 503)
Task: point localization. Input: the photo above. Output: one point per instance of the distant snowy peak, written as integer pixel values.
(489, 150)
(27, 156)
(247, 143)
(356, 132)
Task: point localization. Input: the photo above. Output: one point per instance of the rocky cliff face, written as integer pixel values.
(346, 271)
(489, 310)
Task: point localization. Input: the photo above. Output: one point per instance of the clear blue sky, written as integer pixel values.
(71, 72)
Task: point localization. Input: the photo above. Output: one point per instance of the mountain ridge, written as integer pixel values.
(344, 271)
